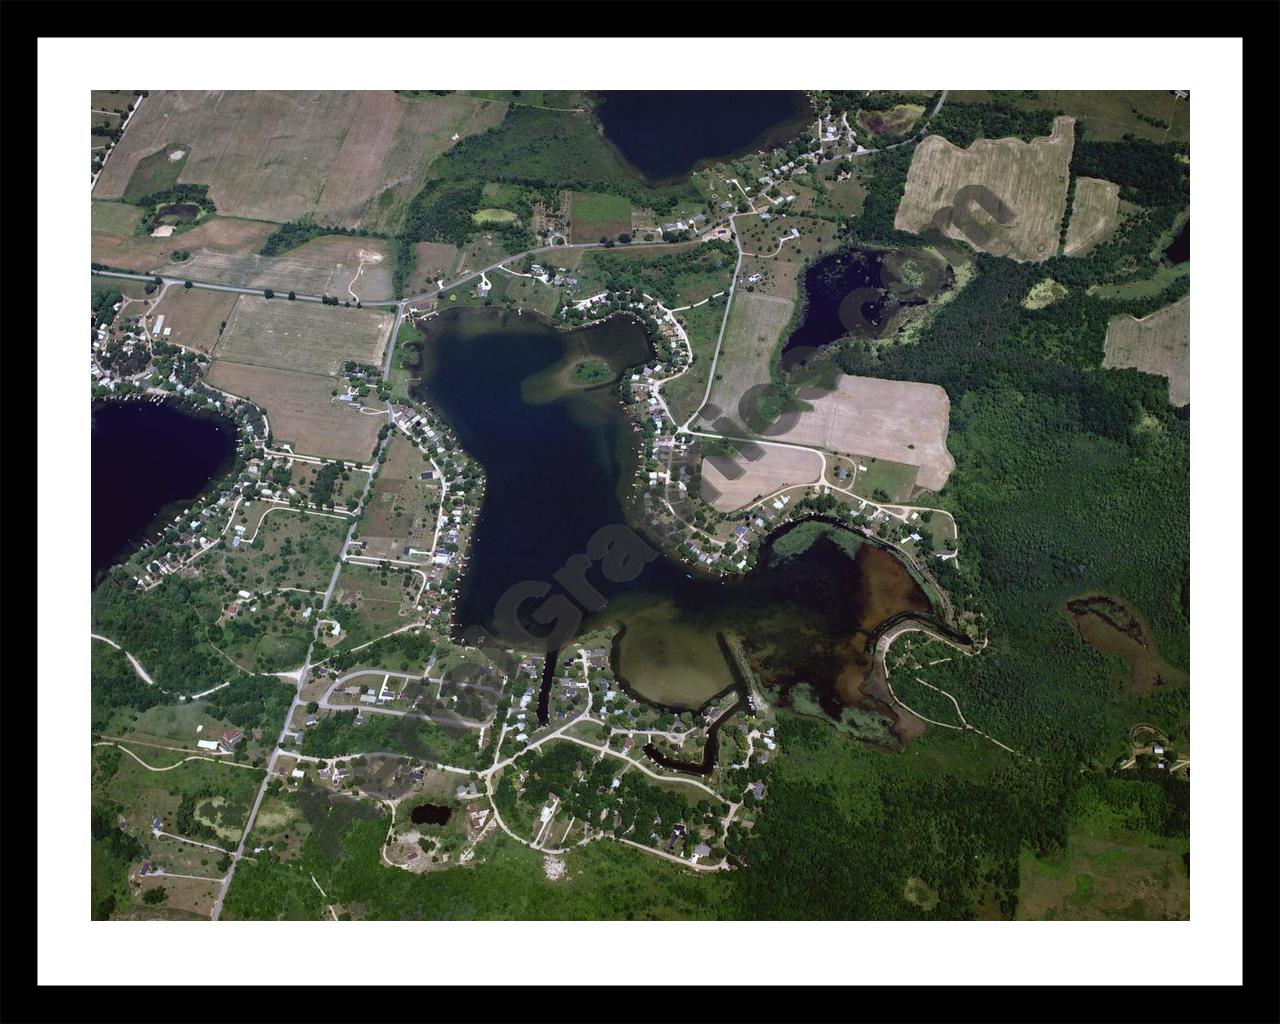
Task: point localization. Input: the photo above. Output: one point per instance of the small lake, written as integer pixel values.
(1179, 250)
(558, 468)
(855, 292)
(666, 134)
(1110, 626)
(148, 462)
(430, 814)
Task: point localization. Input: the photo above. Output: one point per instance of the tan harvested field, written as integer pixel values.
(756, 322)
(1159, 343)
(880, 418)
(1095, 212)
(194, 314)
(300, 410)
(305, 336)
(278, 155)
(324, 266)
(144, 254)
(1003, 196)
(775, 469)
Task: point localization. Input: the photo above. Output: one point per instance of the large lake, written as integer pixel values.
(559, 463)
(666, 134)
(149, 460)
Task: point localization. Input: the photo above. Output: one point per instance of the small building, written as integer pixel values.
(297, 773)
(230, 738)
(757, 790)
(311, 720)
(207, 744)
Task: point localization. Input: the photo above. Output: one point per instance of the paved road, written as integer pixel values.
(399, 304)
(93, 182)
(302, 676)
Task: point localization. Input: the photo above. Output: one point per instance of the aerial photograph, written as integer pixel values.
(613, 505)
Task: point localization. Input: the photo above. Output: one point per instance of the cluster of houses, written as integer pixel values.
(695, 223)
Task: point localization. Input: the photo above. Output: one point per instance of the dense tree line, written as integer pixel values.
(964, 123)
(196, 194)
(1148, 173)
(295, 233)
(102, 312)
(885, 178)
(551, 150)
(120, 850)
(114, 684)
(961, 833)
(164, 628)
(251, 702)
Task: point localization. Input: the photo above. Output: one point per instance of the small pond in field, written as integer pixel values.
(1179, 250)
(430, 814)
(855, 292)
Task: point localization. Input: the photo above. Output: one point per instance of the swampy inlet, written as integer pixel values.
(560, 460)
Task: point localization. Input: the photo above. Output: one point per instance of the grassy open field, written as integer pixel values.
(279, 155)
(702, 325)
(172, 725)
(114, 218)
(1095, 212)
(303, 336)
(777, 468)
(402, 508)
(1044, 293)
(195, 314)
(900, 421)
(1163, 277)
(372, 600)
(894, 121)
(1159, 343)
(369, 603)
(562, 99)
(144, 794)
(896, 479)
(332, 265)
(1138, 877)
(847, 196)
(156, 172)
(528, 293)
(290, 549)
(115, 245)
(595, 215)
(1106, 113)
(756, 323)
(1003, 196)
(301, 410)
(114, 100)
(434, 260)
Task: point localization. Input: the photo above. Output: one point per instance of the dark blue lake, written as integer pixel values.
(666, 134)
(560, 465)
(148, 461)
